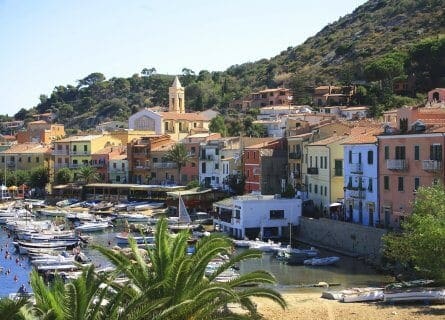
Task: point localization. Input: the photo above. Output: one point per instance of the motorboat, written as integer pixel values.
(264, 246)
(53, 245)
(52, 212)
(321, 261)
(122, 238)
(362, 294)
(93, 226)
(135, 217)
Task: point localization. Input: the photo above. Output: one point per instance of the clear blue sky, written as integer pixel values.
(46, 43)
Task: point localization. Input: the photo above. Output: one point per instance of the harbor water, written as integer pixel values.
(348, 272)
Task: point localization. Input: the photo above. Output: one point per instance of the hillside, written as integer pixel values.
(382, 32)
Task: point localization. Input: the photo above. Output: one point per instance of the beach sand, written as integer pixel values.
(312, 306)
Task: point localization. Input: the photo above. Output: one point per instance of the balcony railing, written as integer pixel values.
(142, 166)
(165, 165)
(359, 194)
(61, 152)
(98, 165)
(312, 170)
(207, 157)
(396, 164)
(356, 168)
(10, 164)
(431, 165)
(295, 155)
(79, 153)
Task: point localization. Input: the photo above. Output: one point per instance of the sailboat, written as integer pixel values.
(183, 220)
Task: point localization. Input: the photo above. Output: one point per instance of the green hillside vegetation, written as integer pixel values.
(381, 42)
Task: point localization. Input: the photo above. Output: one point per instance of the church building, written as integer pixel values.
(175, 122)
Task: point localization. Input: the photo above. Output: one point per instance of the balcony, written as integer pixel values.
(98, 165)
(79, 153)
(356, 168)
(207, 158)
(358, 194)
(61, 152)
(10, 164)
(142, 166)
(75, 165)
(295, 155)
(165, 165)
(431, 165)
(312, 170)
(396, 164)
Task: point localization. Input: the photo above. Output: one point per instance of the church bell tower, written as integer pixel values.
(176, 97)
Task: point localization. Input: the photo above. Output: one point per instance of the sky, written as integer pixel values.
(47, 43)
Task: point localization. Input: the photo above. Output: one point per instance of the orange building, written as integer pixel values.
(41, 131)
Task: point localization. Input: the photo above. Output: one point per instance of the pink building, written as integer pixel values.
(101, 158)
(436, 95)
(407, 161)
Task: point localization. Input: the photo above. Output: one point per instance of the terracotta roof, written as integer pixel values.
(27, 148)
(366, 137)
(182, 116)
(262, 144)
(164, 147)
(327, 141)
(118, 156)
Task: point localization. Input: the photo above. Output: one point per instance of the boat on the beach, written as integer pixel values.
(321, 261)
(415, 294)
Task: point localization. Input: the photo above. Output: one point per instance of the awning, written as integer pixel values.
(335, 204)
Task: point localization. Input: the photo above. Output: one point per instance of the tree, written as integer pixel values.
(217, 125)
(88, 174)
(289, 191)
(39, 177)
(63, 176)
(236, 183)
(148, 72)
(179, 155)
(15, 309)
(420, 244)
(91, 79)
(175, 285)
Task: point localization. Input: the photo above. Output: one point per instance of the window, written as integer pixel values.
(325, 191)
(370, 157)
(85, 148)
(338, 168)
(310, 187)
(217, 152)
(436, 152)
(123, 166)
(276, 214)
(203, 167)
(237, 214)
(118, 178)
(370, 185)
(386, 152)
(310, 161)
(416, 183)
(192, 150)
(37, 159)
(360, 157)
(416, 152)
(29, 159)
(315, 188)
(386, 182)
(316, 162)
(400, 184)
(20, 159)
(3, 159)
(216, 165)
(400, 153)
(114, 165)
(193, 164)
(325, 162)
(74, 148)
(350, 156)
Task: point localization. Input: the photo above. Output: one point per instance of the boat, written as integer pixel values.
(362, 294)
(321, 261)
(183, 220)
(418, 294)
(93, 226)
(264, 246)
(52, 212)
(135, 217)
(122, 238)
(241, 243)
(139, 206)
(53, 245)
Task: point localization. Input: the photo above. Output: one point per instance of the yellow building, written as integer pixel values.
(26, 156)
(177, 123)
(324, 173)
(76, 151)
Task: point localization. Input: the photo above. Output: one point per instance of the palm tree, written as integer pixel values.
(88, 174)
(16, 309)
(179, 155)
(89, 297)
(175, 285)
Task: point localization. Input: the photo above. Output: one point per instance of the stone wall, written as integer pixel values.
(343, 236)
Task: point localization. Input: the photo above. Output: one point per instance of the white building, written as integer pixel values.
(360, 183)
(217, 161)
(118, 169)
(354, 113)
(257, 216)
